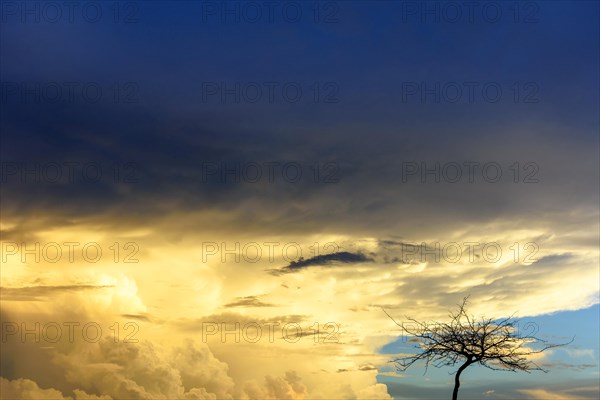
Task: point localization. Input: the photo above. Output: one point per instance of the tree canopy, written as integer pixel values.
(497, 344)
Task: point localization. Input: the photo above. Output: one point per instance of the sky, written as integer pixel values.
(222, 200)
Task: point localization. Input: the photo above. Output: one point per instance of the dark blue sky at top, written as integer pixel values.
(369, 53)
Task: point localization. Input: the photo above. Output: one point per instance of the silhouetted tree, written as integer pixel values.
(493, 343)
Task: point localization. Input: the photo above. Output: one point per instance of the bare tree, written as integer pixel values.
(494, 343)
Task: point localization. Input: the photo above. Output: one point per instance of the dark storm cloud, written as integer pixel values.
(248, 301)
(169, 132)
(139, 317)
(170, 165)
(367, 367)
(342, 257)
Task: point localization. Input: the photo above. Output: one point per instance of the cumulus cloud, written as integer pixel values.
(26, 389)
(287, 387)
(199, 368)
(107, 370)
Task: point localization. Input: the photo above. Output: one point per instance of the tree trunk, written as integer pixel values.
(457, 379)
